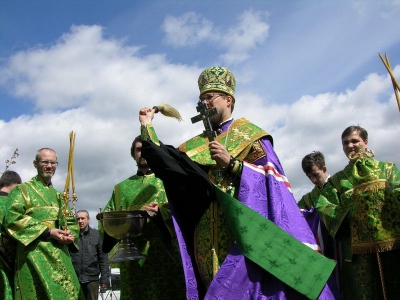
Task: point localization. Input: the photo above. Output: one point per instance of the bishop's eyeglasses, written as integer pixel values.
(210, 97)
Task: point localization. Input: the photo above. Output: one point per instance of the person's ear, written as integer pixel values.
(35, 163)
(324, 169)
(229, 100)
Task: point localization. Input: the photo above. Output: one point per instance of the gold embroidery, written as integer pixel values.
(239, 143)
(256, 152)
(237, 134)
(197, 151)
(372, 186)
(361, 154)
(379, 246)
(147, 133)
(50, 224)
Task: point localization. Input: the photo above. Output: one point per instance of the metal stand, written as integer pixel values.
(109, 292)
(109, 295)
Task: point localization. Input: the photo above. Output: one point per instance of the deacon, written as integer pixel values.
(159, 276)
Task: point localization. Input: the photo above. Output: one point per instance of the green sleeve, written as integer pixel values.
(21, 226)
(309, 199)
(393, 175)
(330, 208)
(302, 203)
(3, 200)
(148, 133)
(305, 202)
(109, 206)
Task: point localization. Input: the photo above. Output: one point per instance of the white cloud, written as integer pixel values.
(387, 10)
(316, 123)
(190, 29)
(251, 31)
(101, 86)
(236, 42)
(103, 75)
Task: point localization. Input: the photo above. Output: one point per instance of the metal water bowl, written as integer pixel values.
(124, 225)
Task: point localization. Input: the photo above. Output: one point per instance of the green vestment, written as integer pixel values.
(360, 206)
(43, 268)
(160, 274)
(306, 202)
(7, 248)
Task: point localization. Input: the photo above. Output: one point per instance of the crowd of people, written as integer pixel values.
(222, 221)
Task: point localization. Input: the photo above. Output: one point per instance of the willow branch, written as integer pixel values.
(395, 84)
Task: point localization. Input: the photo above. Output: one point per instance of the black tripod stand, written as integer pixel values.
(110, 293)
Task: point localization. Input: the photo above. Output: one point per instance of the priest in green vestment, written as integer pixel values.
(8, 181)
(360, 206)
(33, 219)
(159, 276)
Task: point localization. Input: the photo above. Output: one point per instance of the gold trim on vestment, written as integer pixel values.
(196, 150)
(370, 186)
(50, 224)
(147, 132)
(239, 151)
(378, 246)
(40, 194)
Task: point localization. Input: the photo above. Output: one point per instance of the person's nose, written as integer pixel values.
(352, 145)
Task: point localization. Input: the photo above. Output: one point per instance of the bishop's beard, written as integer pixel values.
(215, 120)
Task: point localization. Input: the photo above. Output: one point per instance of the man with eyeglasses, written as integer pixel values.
(246, 249)
(33, 218)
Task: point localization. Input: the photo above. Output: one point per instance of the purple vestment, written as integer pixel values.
(268, 193)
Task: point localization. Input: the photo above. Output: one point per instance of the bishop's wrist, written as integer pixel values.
(234, 166)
